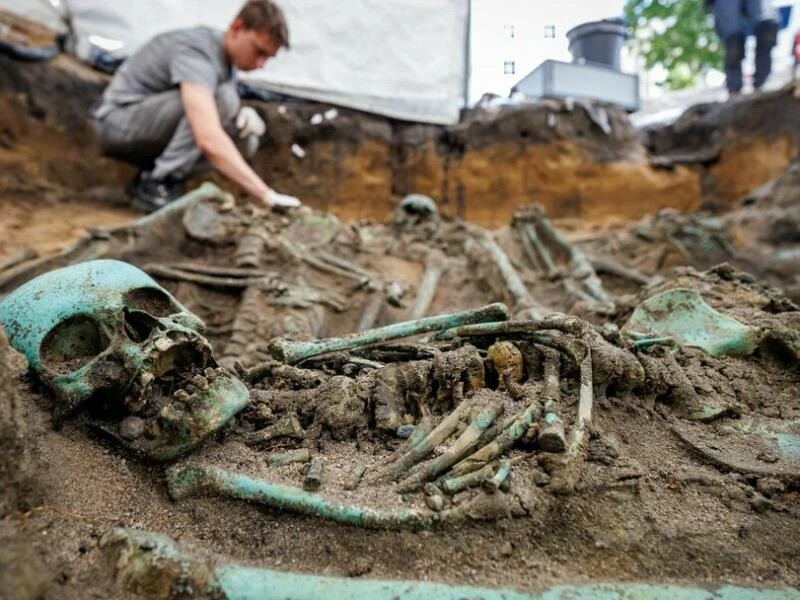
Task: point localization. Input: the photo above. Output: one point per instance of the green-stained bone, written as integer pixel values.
(529, 233)
(683, 315)
(354, 477)
(426, 445)
(529, 327)
(294, 351)
(421, 431)
(565, 478)
(280, 459)
(465, 443)
(154, 562)
(544, 332)
(454, 484)
(551, 429)
(523, 300)
(580, 266)
(503, 442)
(493, 483)
(225, 397)
(313, 479)
(516, 287)
(528, 249)
(435, 267)
(185, 481)
(647, 342)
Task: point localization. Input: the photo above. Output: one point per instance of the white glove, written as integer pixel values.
(273, 198)
(249, 123)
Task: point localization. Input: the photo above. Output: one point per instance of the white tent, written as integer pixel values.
(400, 58)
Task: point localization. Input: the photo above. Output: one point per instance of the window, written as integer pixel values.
(508, 67)
(509, 30)
(550, 32)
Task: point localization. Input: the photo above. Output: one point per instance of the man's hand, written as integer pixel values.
(274, 199)
(249, 123)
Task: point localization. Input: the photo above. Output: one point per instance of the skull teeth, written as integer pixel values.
(163, 344)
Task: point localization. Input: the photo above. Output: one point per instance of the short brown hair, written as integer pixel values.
(267, 17)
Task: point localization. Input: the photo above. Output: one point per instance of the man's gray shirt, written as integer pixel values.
(166, 61)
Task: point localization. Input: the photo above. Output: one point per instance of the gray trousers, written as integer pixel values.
(155, 134)
(729, 19)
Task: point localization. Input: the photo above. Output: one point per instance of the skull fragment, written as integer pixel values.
(105, 336)
(414, 210)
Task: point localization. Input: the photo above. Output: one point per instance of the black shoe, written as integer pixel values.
(149, 195)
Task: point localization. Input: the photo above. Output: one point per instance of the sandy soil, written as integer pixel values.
(645, 507)
(648, 504)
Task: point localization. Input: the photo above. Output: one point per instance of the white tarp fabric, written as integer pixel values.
(400, 58)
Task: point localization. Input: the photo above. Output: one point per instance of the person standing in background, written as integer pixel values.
(730, 20)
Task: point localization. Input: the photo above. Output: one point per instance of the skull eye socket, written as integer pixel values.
(139, 325)
(72, 343)
(152, 301)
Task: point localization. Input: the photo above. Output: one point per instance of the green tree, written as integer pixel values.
(676, 34)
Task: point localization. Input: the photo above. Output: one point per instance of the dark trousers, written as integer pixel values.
(729, 19)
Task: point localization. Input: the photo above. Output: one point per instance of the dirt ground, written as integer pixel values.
(672, 483)
(646, 508)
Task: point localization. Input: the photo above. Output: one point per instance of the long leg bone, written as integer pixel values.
(435, 267)
(17, 258)
(305, 255)
(607, 265)
(530, 250)
(305, 297)
(248, 273)
(580, 267)
(528, 233)
(574, 289)
(295, 351)
(524, 303)
(215, 281)
(372, 310)
(341, 263)
(152, 562)
(185, 481)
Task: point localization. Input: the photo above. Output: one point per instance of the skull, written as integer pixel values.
(414, 210)
(104, 334)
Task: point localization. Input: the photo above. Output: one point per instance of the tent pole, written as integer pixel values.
(467, 50)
